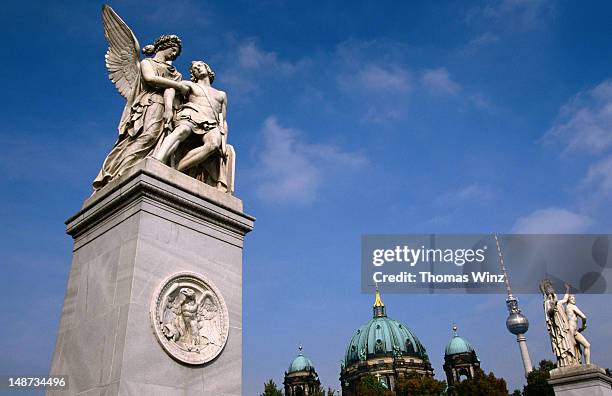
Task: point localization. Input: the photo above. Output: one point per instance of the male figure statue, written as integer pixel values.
(562, 339)
(573, 312)
(204, 114)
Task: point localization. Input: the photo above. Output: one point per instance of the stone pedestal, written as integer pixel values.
(581, 380)
(129, 237)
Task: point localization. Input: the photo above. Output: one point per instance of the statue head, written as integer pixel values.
(188, 293)
(572, 299)
(199, 69)
(164, 42)
(546, 288)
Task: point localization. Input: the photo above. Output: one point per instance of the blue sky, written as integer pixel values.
(347, 119)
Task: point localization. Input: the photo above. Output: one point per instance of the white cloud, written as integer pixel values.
(292, 170)
(517, 15)
(585, 122)
(375, 65)
(482, 40)
(250, 56)
(438, 81)
(376, 78)
(599, 176)
(552, 221)
(480, 101)
(247, 65)
(474, 191)
(500, 18)
(380, 91)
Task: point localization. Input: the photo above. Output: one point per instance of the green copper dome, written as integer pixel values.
(300, 363)
(382, 336)
(458, 345)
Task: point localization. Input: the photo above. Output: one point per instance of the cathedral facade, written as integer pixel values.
(388, 350)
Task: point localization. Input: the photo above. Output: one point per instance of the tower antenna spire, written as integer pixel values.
(503, 267)
(516, 323)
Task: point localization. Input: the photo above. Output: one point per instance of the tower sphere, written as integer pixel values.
(517, 323)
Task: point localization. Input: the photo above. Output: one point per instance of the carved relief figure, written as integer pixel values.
(562, 338)
(148, 85)
(190, 318)
(180, 324)
(192, 324)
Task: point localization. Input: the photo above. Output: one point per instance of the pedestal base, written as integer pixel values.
(582, 380)
(129, 237)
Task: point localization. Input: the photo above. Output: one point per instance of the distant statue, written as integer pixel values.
(148, 85)
(562, 337)
(573, 313)
(199, 139)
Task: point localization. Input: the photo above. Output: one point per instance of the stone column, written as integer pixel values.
(580, 380)
(141, 229)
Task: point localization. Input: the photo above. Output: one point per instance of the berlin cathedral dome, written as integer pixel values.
(385, 348)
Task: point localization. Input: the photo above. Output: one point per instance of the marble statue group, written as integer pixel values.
(568, 343)
(182, 123)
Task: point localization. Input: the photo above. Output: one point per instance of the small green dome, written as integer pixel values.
(458, 345)
(300, 363)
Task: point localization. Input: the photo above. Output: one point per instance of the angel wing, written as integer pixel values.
(123, 55)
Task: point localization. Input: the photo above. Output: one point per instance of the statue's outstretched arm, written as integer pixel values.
(579, 313)
(169, 94)
(148, 75)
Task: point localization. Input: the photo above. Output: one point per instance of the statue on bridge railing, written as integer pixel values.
(562, 323)
(176, 121)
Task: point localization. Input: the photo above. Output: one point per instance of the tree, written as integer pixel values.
(270, 389)
(418, 385)
(516, 393)
(481, 385)
(371, 386)
(537, 380)
(322, 392)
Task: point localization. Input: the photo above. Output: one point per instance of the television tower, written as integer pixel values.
(516, 323)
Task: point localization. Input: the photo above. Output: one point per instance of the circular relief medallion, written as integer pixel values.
(190, 318)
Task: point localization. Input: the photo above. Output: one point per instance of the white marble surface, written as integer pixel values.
(581, 380)
(129, 237)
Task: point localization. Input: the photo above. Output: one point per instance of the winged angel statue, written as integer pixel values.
(154, 91)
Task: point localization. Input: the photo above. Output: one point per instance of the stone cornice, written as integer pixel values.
(155, 182)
